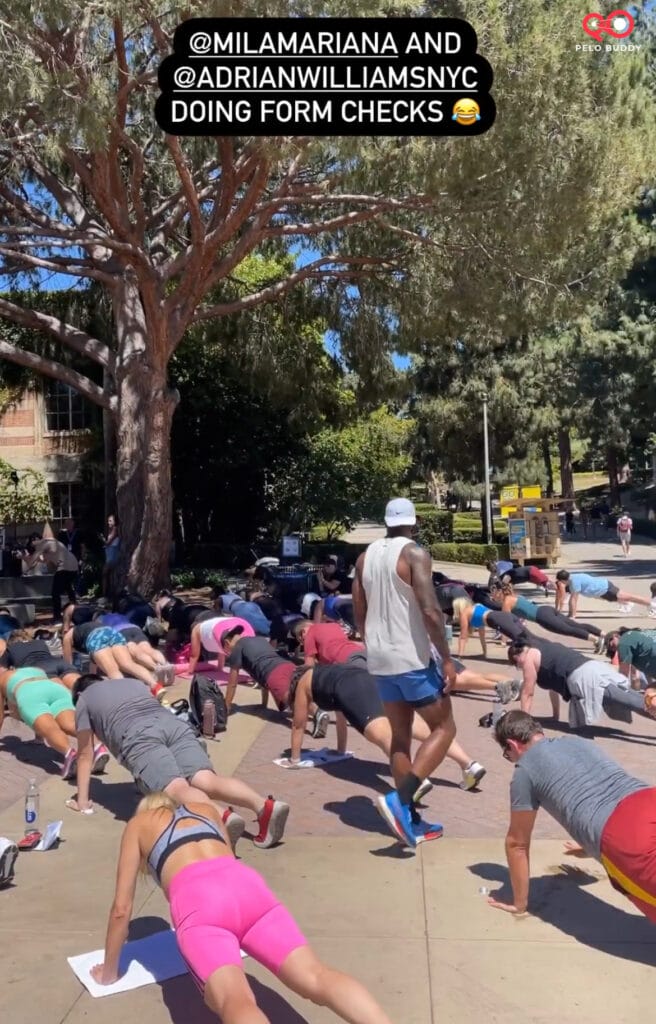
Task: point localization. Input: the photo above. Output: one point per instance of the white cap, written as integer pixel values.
(400, 512)
(307, 602)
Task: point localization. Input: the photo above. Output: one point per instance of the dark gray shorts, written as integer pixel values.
(162, 751)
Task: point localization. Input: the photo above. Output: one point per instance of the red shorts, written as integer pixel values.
(536, 575)
(628, 849)
(278, 681)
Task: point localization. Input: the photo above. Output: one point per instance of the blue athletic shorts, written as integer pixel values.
(104, 637)
(329, 607)
(418, 688)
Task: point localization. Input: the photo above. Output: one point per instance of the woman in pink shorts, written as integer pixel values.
(219, 906)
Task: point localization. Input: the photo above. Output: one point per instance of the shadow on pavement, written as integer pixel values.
(560, 899)
(141, 927)
(33, 752)
(119, 798)
(598, 732)
(185, 1003)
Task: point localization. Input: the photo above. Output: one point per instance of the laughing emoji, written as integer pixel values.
(466, 111)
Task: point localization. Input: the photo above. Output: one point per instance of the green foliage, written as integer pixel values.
(26, 503)
(343, 475)
(434, 524)
(471, 554)
(191, 578)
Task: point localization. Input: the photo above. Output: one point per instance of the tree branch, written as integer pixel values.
(317, 270)
(76, 339)
(58, 264)
(50, 368)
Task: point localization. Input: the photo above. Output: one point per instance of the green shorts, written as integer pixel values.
(38, 696)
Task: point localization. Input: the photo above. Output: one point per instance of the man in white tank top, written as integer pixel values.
(398, 618)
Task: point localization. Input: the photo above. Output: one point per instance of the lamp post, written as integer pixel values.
(489, 530)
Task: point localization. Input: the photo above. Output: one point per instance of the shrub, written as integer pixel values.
(435, 525)
(474, 554)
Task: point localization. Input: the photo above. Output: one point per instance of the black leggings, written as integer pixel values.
(508, 624)
(556, 622)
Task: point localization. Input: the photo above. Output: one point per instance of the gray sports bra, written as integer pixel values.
(167, 844)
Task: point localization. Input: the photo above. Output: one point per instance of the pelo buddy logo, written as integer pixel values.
(618, 24)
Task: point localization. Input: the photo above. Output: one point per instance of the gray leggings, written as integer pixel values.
(632, 699)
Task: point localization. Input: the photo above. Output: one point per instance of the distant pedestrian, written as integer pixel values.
(569, 522)
(595, 520)
(624, 529)
(112, 543)
(60, 561)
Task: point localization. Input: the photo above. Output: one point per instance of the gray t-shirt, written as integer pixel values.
(576, 782)
(116, 708)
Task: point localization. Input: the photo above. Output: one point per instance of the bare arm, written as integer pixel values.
(194, 655)
(481, 634)
(573, 604)
(559, 599)
(359, 597)
(84, 766)
(463, 631)
(518, 845)
(301, 709)
(421, 578)
(233, 680)
(121, 912)
(530, 674)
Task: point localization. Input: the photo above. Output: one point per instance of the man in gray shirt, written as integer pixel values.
(610, 814)
(162, 753)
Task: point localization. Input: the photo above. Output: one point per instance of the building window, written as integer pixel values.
(66, 409)
(67, 502)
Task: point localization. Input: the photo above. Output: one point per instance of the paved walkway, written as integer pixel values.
(413, 927)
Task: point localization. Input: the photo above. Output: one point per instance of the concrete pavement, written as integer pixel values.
(412, 927)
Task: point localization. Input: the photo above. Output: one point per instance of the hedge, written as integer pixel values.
(435, 525)
(474, 554)
(234, 558)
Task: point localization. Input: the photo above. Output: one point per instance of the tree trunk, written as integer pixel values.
(109, 455)
(144, 497)
(613, 475)
(144, 415)
(566, 474)
(548, 465)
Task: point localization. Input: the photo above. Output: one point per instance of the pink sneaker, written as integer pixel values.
(100, 759)
(69, 768)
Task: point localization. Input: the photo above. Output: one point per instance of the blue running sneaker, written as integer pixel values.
(397, 817)
(425, 831)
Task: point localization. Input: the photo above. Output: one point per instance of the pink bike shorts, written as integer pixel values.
(219, 906)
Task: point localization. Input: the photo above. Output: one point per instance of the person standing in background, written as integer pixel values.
(60, 561)
(112, 544)
(624, 528)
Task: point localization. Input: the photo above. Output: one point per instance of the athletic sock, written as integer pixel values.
(408, 788)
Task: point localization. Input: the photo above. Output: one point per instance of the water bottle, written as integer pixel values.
(209, 718)
(31, 806)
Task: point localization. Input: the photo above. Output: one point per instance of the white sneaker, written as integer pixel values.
(472, 775)
(625, 609)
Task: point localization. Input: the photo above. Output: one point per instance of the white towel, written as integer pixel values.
(144, 961)
(313, 758)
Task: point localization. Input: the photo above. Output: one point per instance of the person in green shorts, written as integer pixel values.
(635, 650)
(46, 706)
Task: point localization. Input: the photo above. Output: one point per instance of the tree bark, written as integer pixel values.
(109, 454)
(143, 494)
(612, 463)
(144, 415)
(566, 474)
(548, 465)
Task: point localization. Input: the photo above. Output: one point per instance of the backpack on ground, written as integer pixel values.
(203, 689)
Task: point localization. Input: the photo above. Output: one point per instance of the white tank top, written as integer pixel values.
(395, 632)
(207, 638)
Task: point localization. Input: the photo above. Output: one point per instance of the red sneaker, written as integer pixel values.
(272, 820)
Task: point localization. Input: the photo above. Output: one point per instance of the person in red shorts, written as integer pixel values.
(610, 814)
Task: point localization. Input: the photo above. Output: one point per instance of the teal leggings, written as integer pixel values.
(38, 696)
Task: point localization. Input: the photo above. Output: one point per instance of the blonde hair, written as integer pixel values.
(460, 604)
(157, 801)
